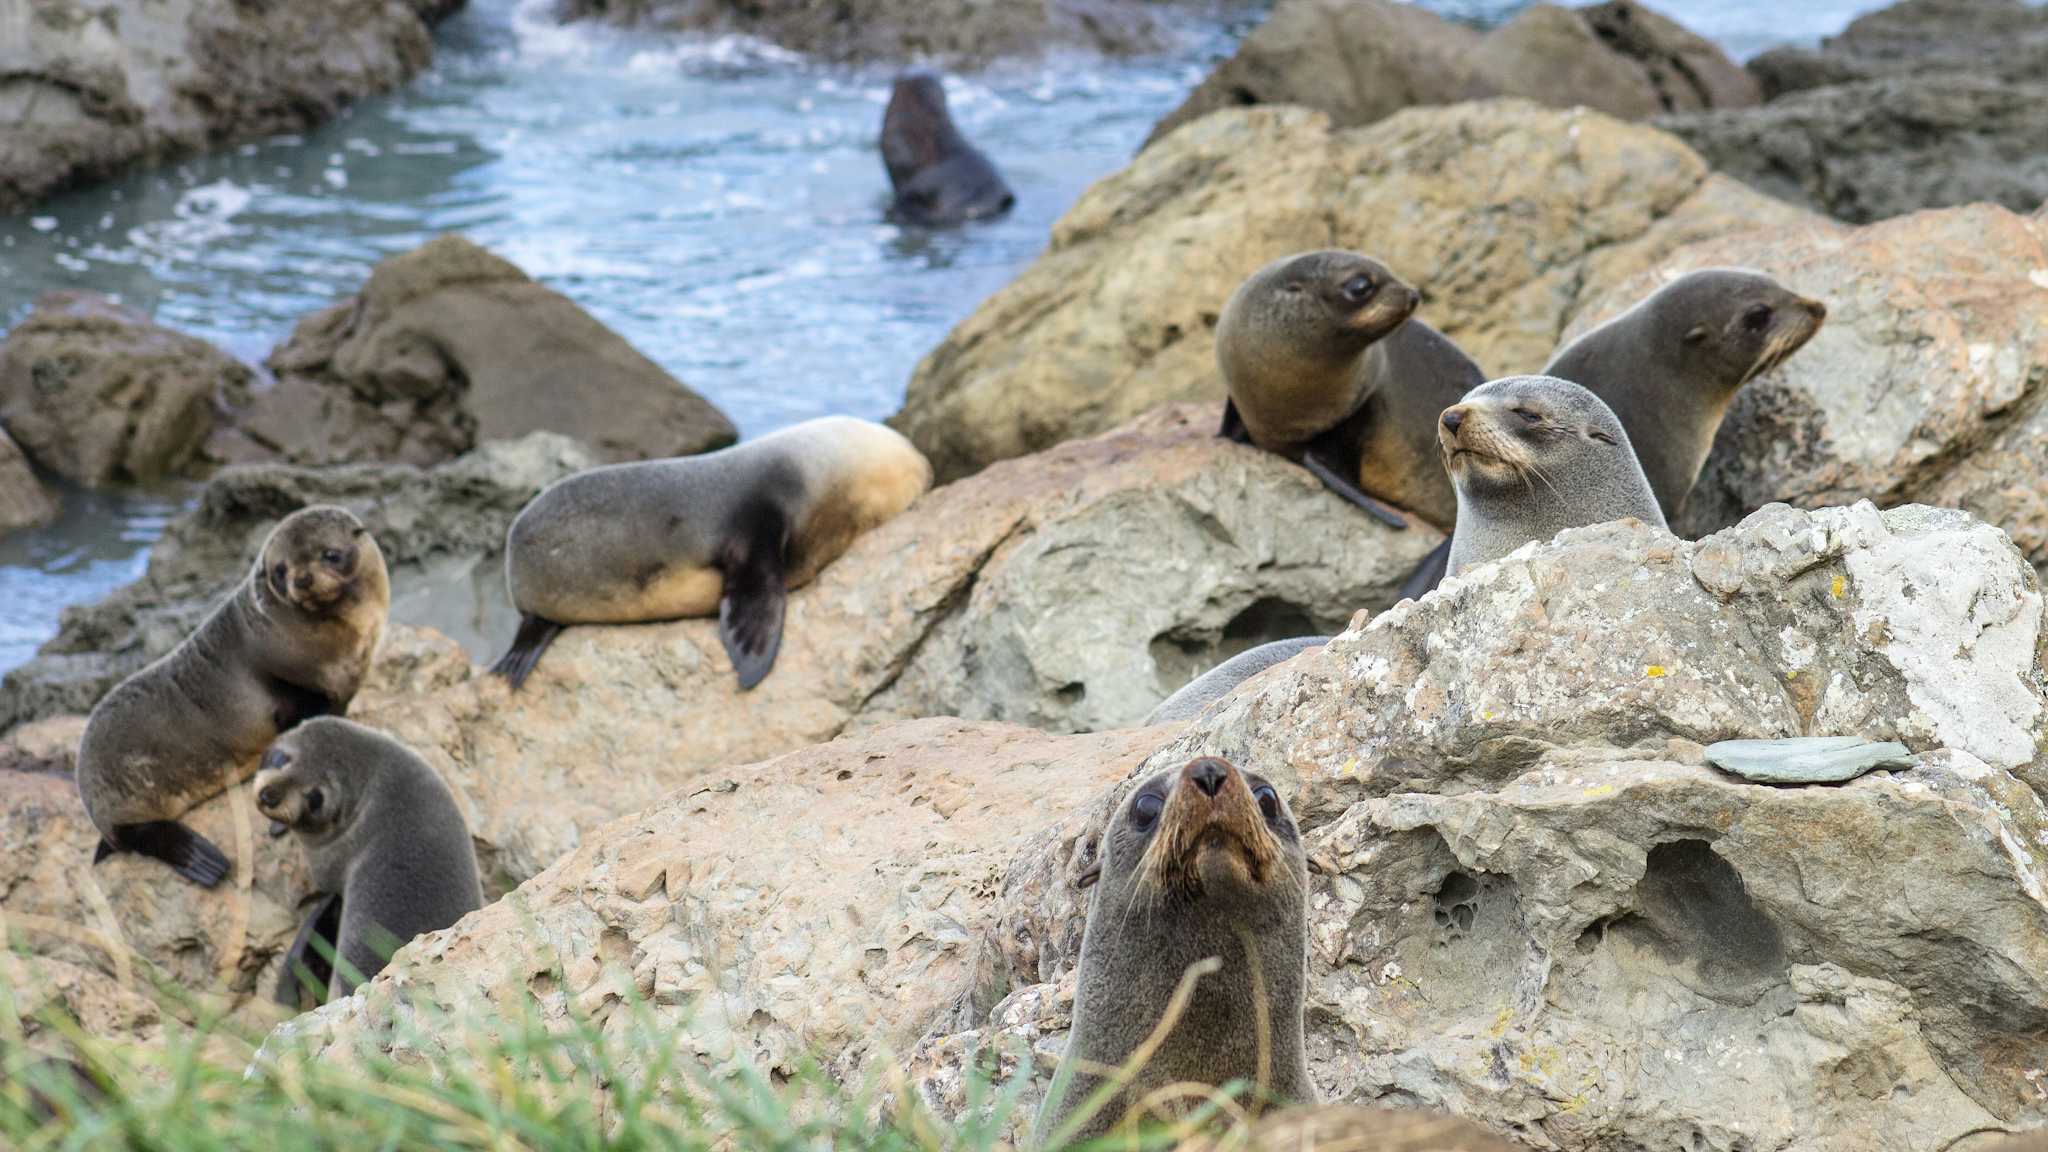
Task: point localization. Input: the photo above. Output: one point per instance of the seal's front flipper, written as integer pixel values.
(1233, 425)
(1429, 573)
(187, 852)
(308, 967)
(1335, 482)
(750, 615)
(535, 634)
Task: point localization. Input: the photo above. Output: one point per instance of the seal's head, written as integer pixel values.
(1205, 834)
(297, 786)
(320, 559)
(1332, 301)
(1740, 322)
(1524, 433)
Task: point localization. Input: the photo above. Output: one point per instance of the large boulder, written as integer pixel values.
(24, 502)
(1987, 39)
(1506, 216)
(97, 393)
(448, 346)
(1924, 385)
(1881, 148)
(88, 87)
(962, 32)
(442, 531)
(1363, 60)
(1533, 902)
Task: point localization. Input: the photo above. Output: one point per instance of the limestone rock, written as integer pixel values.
(92, 86)
(442, 532)
(1362, 60)
(1356, 60)
(24, 502)
(2003, 39)
(97, 393)
(961, 32)
(1925, 384)
(448, 346)
(1881, 148)
(1504, 214)
(1533, 905)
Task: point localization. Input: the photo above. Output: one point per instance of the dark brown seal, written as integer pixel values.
(938, 176)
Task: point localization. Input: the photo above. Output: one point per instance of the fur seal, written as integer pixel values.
(728, 532)
(1200, 863)
(383, 835)
(1325, 364)
(1217, 682)
(294, 641)
(1532, 456)
(1670, 366)
(938, 176)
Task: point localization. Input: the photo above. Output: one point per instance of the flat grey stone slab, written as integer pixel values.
(1807, 759)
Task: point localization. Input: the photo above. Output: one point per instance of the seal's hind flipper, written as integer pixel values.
(187, 852)
(535, 634)
(1233, 428)
(756, 593)
(1335, 482)
(1429, 573)
(307, 968)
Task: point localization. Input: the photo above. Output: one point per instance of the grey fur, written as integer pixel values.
(1670, 366)
(191, 724)
(1143, 935)
(1571, 478)
(387, 836)
(938, 176)
(1217, 682)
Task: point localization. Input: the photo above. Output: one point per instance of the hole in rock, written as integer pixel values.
(1693, 908)
(1181, 654)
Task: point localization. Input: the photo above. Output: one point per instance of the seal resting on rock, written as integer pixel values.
(1670, 366)
(1200, 878)
(728, 532)
(293, 641)
(1532, 456)
(1217, 682)
(386, 841)
(1325, 365)
(938, 176)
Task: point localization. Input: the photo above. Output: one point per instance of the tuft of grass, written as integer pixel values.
(514, 1083)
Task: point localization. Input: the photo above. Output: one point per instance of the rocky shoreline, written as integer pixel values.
(1534, 903)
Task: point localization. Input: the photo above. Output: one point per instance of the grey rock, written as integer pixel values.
(1807, 759)
(1985, 39)
(24, 502)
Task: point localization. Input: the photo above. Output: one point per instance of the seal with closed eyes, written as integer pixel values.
(293, 641)
(389, 850)
(727, 533)
(1670, 366)
(1200, 865)
(1325, 366)
(1533, 456)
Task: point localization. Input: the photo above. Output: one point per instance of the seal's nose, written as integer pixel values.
(1454, 419)
(1414, 299)
(1819, 310)
(1208, 774)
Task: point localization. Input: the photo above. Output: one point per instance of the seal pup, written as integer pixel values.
(1200, 865)
(1670, 366)
(293, 641)
(938, 176)
(1532, 456)
(1217, 682)
(1325, 365)
(728, 532)
(383, 835)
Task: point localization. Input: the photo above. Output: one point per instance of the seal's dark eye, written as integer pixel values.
(1146, 808)
(1757, 318)
(1269, 801)
(1530, 415)
(276, 758)
(313, 801)
(277, 574)
(1358, 288)
(332, 558)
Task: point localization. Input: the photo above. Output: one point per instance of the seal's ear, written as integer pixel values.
(1696, 334)
(360, 532)
(1087, 879)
